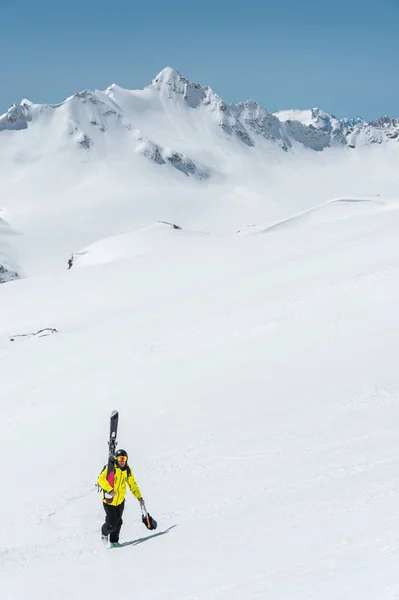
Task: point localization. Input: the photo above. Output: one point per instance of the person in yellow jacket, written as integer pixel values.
(114, 497)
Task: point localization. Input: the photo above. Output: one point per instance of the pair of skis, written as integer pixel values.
(147, 519)
(112, 443)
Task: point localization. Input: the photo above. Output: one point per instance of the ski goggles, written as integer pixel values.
(121, 459)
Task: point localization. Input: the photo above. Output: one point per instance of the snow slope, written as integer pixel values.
(256, 378)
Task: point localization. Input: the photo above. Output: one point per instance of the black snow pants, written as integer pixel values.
(113, 521)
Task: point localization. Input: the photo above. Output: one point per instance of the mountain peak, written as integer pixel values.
(169, 83)
(170, 77)
(17, 116)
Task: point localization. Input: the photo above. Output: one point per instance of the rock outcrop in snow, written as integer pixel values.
(163, 156)
(8, 271)
(7, 274)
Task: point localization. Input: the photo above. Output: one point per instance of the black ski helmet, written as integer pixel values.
(121, 452)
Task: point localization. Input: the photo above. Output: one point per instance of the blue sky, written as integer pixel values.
(342, 56)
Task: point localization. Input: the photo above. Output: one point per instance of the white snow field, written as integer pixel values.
(252, 355)
(257, 383)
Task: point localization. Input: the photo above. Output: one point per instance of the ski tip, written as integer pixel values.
(114, 412)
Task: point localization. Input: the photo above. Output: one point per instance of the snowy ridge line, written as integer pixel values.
(135, 243)
(377, 206)
(92, 113)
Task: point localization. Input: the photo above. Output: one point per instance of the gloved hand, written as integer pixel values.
(110, 494)
(141, 500)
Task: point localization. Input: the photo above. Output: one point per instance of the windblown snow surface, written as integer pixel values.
(252, 355)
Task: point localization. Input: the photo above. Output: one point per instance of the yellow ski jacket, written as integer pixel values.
(122, 476)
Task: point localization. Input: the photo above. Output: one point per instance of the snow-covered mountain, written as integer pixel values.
(326, 130)
(87, 115)
(172, 151)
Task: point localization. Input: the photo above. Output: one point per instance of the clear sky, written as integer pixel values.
(341, 56)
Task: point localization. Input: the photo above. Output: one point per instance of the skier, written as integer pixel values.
(114, 497)
(70, 263)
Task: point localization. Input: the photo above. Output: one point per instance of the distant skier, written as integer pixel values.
(70, 262)
(114, 498)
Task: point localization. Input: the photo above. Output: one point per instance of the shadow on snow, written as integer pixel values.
(148, 537)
